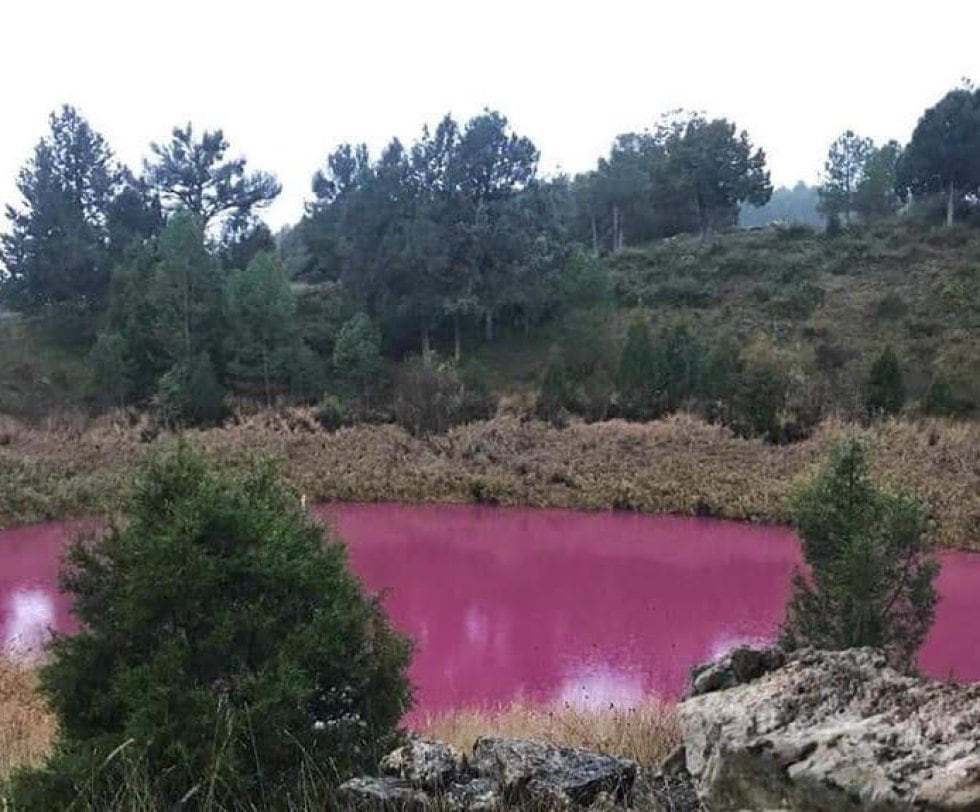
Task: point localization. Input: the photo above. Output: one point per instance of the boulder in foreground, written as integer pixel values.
(502, 773)
(830, 730)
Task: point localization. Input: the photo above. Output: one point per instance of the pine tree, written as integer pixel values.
(636, 380)
(871, 580)
(262, 344)
(56, 252)
(885, 388)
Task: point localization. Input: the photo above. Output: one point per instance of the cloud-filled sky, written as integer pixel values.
(291, 79)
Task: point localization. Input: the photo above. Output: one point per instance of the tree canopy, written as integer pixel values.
(194, 174)
(944, 153)
(56, 252)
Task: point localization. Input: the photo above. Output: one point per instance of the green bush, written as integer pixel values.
(557, 395)
(357, 356)
(636, 380)
(333, 414)
(112, 374)
(225, 647)
(429, 395)
(190, 395)
(871, 580)
(761, 390)
(885, 387)
(955, 388)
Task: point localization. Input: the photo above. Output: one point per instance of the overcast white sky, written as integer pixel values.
(289, 80)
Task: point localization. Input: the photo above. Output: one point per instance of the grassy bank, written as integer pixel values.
(646, 732)
(71, 468)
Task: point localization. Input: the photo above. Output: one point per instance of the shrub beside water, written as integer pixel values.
(433, 395)
(871, 580)
(226, 652)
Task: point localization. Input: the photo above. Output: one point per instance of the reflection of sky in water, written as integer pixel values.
(600, 685)
(30, 614)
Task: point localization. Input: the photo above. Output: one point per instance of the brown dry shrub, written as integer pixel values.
(677, 465)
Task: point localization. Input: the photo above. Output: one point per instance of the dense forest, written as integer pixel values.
(411, 268)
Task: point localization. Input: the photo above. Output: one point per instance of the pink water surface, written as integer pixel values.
(588, 608)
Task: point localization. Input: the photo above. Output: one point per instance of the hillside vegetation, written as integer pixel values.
(833, 302)
(827, 304)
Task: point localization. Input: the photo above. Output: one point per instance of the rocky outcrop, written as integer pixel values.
(830, 730)
(424, 763)
(738, 666)
(550, 777)
(501, 774)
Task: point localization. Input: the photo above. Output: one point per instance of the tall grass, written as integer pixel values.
(27, 726)
(646, 732)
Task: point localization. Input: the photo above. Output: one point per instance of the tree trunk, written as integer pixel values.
(489, 325)
(595, 237)
(949, 205)
(457, 340)
(425, 340)
(265, 376)
(615, 230)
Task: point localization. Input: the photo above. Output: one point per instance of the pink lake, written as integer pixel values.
(588, 608)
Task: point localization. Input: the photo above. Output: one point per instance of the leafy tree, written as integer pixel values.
(187, 292)
(357, 355)
(871, 580)
(188, 394)
(944, 153)
(262, 342)
(55, 253)
(225, 647)
(843, 172)
(718, 167)
(557, 395)
(719, 380)
(885, 388)
(135, 215)
(111, 369)
(636, 380)
(875, 196)
(487, 168)
(677, 366)
(616, 200)
(762, 388)
(428, 395)
(194, 175)
(452, 229)
(243, 239)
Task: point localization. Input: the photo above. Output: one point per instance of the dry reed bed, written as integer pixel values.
(678, 465)
(647, 732)
(27, 726)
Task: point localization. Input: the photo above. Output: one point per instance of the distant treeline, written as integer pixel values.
(183, 293)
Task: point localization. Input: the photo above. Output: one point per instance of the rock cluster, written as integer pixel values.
(829, 730)
(762, 729)
(501, 774)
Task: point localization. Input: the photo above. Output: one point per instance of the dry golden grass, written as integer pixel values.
(646, 733)
(677, 465)
(27, 726)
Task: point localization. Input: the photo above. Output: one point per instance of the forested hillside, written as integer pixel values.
(443, 279)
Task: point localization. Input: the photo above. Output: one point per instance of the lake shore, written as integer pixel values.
(73, 468)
